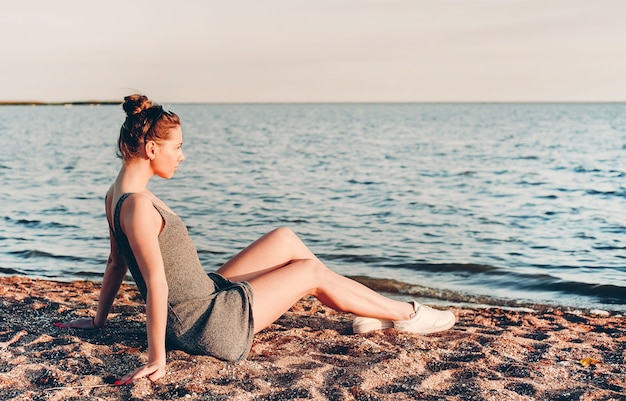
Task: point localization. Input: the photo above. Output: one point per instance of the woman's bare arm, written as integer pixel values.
(142, 225)
(113, 276)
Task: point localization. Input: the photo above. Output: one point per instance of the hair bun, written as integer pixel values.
(135, 104)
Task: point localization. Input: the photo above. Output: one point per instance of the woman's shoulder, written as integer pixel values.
(137, 211)
(136, 200)
(123, 203)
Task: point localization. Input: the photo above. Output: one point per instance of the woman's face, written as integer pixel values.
(169, 153)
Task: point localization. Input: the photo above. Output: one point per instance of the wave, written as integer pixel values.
(485, 279)
(39, 224)
(395, 287)
(88, 274)
(418, 266)
(513, 283)
(34, 253)
(452, 267)
(10, 271)
(619, 194)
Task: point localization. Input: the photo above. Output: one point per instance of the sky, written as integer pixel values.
(241, 51)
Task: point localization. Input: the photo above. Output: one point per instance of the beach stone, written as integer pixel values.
(599, 313)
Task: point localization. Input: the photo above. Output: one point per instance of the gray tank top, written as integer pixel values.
(207, 313)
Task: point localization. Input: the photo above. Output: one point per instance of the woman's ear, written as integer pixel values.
(150, 150)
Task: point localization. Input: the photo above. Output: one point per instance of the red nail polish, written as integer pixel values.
(118, 383)
(58, 324)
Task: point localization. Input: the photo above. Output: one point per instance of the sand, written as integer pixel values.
(309, 354)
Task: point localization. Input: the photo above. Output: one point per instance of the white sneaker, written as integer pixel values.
(362, 324)
(426, 320)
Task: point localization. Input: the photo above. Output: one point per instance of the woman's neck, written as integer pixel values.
(134, 176)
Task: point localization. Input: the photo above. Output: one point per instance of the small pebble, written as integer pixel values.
(599, 312)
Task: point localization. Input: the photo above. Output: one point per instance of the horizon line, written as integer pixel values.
(119, 102)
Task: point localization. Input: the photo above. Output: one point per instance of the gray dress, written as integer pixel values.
(207, 313)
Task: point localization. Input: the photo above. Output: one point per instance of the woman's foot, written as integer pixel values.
(426, 320)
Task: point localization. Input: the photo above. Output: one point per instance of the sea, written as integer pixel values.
(489, 204)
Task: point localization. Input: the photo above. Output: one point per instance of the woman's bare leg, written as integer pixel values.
(281, 270)
(277, 290)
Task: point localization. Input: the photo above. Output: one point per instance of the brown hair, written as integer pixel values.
(145, 121)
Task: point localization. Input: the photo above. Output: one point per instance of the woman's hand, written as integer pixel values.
(154, 371)
(83, 323)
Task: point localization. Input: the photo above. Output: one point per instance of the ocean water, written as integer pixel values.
(497, 203)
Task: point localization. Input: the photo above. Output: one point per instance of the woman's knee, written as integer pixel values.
(287, 237)
(284, 233)
(317, 273)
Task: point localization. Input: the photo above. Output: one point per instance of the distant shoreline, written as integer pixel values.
(77, 103)
(249, 103)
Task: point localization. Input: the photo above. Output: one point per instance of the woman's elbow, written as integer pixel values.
(116, 264)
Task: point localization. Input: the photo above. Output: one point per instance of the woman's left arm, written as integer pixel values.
(142, 225)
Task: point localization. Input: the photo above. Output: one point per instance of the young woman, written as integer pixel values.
(216, 313)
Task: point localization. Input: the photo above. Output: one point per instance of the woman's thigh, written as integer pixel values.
(272, 251)
(276, 291)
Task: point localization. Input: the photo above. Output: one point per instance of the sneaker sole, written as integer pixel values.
(365, 324)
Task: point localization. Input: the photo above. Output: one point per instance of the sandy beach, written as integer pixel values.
(309, 354)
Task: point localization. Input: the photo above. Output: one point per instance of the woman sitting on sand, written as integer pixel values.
(216, 313)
